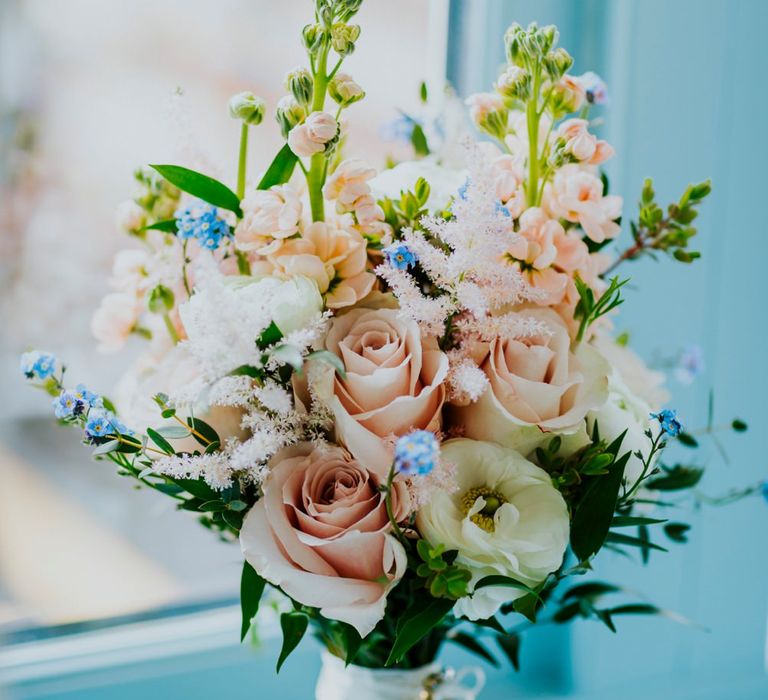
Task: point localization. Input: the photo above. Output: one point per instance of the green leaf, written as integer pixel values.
(475, 646)
(167, 225)
(677, 532)
(419, 141)
(688, 440)
(510, 645)
(173, 432)
(160, 441)
(594, 512)
(491, 623)
(237, 505)
(630, 520)
(201, 427)
(499, 580)
(739, 425)
(214, 506)
(591, 590)
(106, 447)
(197, 487)
(269, 336)
(280, 169)
(528, 605)
(675, 478)
(294, 625)
(417, 625)
(628, 540)
(635, 609)
(331, 358)
(251, 590)
(201, 186)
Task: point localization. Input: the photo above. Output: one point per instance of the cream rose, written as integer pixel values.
(505, 519)
(393, 384)
(321, 533)
(537, 385)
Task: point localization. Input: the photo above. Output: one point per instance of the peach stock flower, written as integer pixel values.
(114, 320)
(547, 254)
(267, 215)
(583, 146)
(311, 137)
(321, 533)
(393, 383)
(537, 385)
(333, 255)
(510, 176)
(348, 183)
(576, 195)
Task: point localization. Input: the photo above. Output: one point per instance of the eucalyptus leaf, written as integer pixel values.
(173, 432)
(510, 645)
(416, 626)
(160, 441)
(474, 645)
(106, 447)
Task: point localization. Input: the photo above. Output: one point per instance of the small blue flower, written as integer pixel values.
(416, 454)
(669, 422)
(98, 425)
(690, 364)
(202, 221)
(68, 405)
(462, 192)
(595, 88)
(38, 365)
(502, 209)
(399, 129)
(400, 256)
(89, 398)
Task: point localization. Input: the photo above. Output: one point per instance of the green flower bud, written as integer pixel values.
(346, 9)
(549, 36)
(514, 83)
(288, 114)
(160, 300)
(344, 91)
(301, 85)
(246, 107)
(558, 62)
(512, 44)
(312, 36)
(343, 37)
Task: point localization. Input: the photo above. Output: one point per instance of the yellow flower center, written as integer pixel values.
(493, 501)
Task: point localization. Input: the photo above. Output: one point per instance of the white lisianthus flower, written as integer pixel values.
(506, 518)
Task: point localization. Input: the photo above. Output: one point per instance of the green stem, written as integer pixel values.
(316, 174)
(390, 513)
(170, 328)
(533, 116)
(241, 163)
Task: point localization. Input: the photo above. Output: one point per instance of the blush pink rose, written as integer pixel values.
(537, 385)
(321, 533)
(394, 382)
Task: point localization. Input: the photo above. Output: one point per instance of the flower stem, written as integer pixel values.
(170, 328)
(390, 513)
(316, 174)
(241, 163)
(533, 117)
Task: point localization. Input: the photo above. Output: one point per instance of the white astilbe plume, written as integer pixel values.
(232, 391)
(215, 469)
(441, 478)
(466, 381)
(464, 257)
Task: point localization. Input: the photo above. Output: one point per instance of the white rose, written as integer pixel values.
(171, 373)
(444, 183)
(505, 519)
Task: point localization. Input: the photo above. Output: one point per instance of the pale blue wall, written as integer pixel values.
(689, 99)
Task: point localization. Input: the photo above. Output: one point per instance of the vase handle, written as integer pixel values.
(463, 684)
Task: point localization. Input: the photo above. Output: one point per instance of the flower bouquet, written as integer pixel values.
(400, 392)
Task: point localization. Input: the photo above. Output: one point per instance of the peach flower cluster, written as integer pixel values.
(348, 187)
(313, 135)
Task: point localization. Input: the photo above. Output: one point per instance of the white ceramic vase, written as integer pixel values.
(432, 682)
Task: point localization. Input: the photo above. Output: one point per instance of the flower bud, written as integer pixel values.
(514, 83)
(512, 44)
(549, 36)
(161, 300)
(489, 113)
(300, 83)
(343, 37)
(246, 107)
(289, 113)
(567, 96)
(558, 62)
(312, 35)
(346, 9)
(344, 90)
